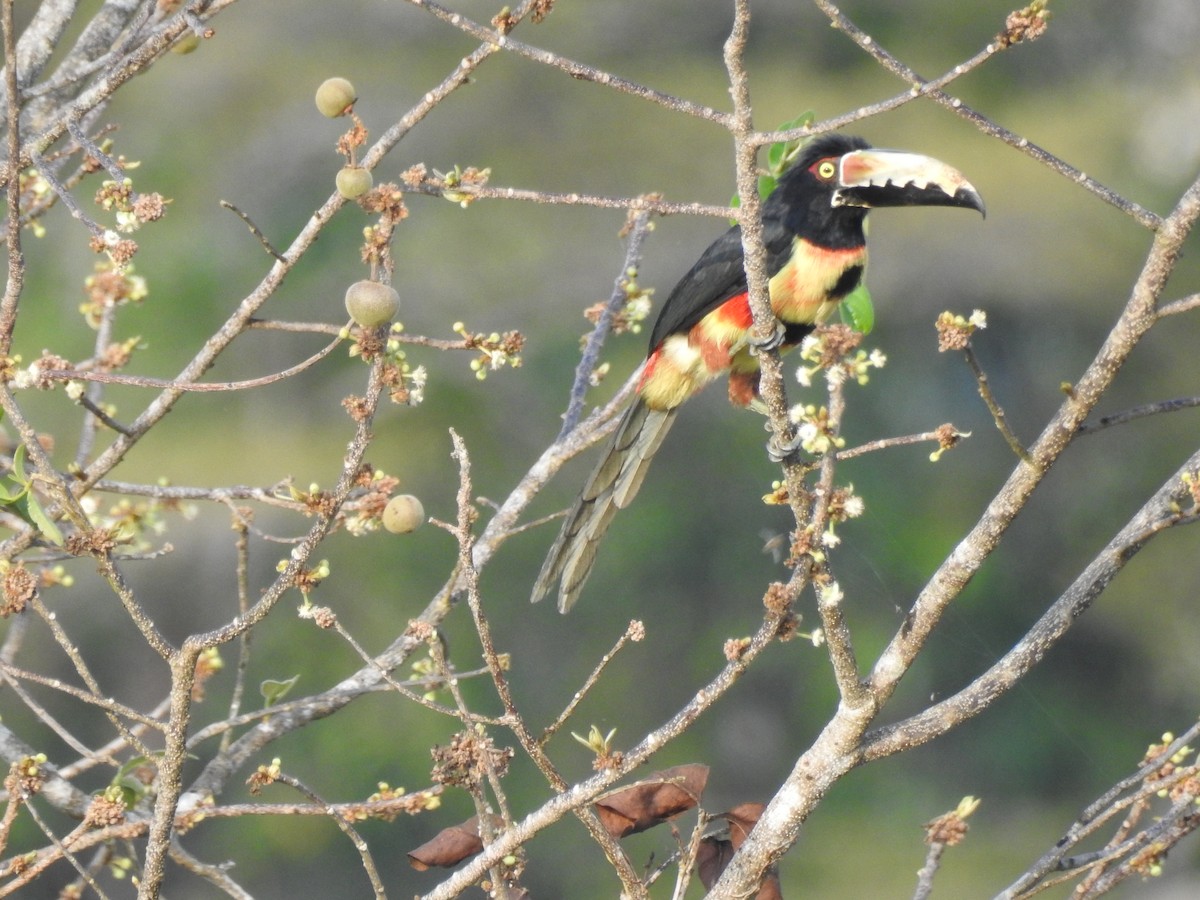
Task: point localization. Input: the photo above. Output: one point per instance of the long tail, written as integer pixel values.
(611, 487)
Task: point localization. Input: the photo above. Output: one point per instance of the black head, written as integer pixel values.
(826, 193)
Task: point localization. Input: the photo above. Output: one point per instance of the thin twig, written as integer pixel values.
(1186, 304)
(989, 399)
(829, 596)
(926, 873)
(13, 673)
(254, 230)
(616, 856)
(44, 716)
(216, 874)
(874, 109)
(1138, 412)
(447, 679)
(100, 415)
(242, 574)
(595, 343)
(574, 69)
(67, 198)
(329, 328)
(115, 747)
(954, 104)
(193, 386)
(110, 165)
(651, 204)
(12, 223)
(94, 395)
(343, 824)
(85, 674)
(584, 792)
(589, 683)
(887, 443)
(62, 845)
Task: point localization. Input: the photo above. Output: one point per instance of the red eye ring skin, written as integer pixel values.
(825, 169)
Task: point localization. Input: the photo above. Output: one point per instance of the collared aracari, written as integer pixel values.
(816, 252)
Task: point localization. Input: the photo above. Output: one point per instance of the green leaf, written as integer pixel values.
(857, 310)
(803, 120)
(778, 156)
(18, 472)
(25, 503)
(37, 517)
(273, 691)
(133, 789)
(9, 497)
(783, 152)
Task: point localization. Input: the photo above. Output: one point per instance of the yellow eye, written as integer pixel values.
(826, 169)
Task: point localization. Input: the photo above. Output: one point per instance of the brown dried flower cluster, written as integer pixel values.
(777, 599)
(97, 542)
(149, 207)
(735, 648)
(468, 759)
(356, 407)
(387, 200)
(104, 810)
(952, 334)
(946, 829)
(324, 617)
(1026, 24)
(951, 828)
(19, 588)
(263, 776)
(948, 436)
(26, 776)
(837, 342)
(376, 491)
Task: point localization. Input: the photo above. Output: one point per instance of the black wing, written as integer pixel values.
(718, 275)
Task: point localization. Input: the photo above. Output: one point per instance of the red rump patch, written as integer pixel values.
(735, 311)
(720, 329)
(648, 368)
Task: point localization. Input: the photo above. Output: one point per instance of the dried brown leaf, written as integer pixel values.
(714, 853)
(653, 800)
(741, 819)
(711, 859)
(448, 847)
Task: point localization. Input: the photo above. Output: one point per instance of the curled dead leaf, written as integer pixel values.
(715, 853)
(448, 847)
(652, 801)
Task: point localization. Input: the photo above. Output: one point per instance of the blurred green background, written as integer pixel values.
(1113, 88)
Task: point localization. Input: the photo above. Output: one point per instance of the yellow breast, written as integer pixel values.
(807, 289)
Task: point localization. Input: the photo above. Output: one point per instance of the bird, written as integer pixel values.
(813, 231)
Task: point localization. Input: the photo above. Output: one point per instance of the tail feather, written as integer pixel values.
(611, 487)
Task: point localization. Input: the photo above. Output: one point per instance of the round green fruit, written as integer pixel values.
(371, 303)
(403, 513)
(352, 182)
(335, 96)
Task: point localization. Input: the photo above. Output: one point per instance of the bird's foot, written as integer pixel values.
(779, 449)
(772, 342)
